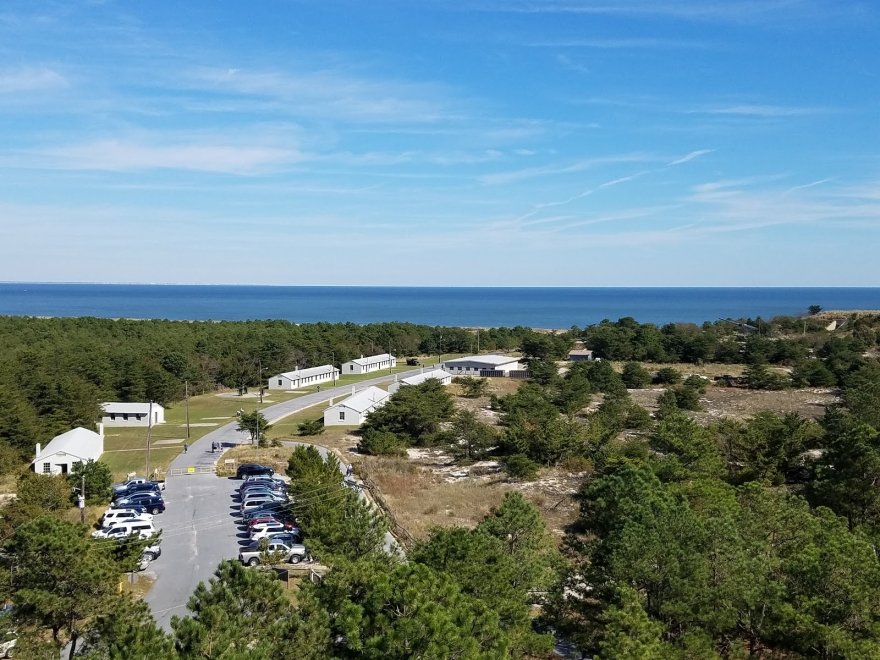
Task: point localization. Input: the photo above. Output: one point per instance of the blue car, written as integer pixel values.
(153, 503)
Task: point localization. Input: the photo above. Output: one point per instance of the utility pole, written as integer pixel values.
(333, 366)
(186, 404)
(440, 355)
(81, 500)
(260, 378)
(149, 434)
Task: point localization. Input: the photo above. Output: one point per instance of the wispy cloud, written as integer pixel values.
(550, 170)
(621, 43)
(39, 79)
(327, 93)
(714, 11)
(120, 155)
(689, 157)
(756, 110)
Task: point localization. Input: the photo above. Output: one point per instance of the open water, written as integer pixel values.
(469, 307)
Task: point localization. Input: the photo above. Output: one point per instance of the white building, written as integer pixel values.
(354, 410)
(365, 365)
(292, 380)
(131, 414)
(474, 364)
(63, 451)
(437, 374)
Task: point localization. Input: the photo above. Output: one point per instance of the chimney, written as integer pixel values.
(352, 389)
(39, 449)
(331, 401)
(101, 429)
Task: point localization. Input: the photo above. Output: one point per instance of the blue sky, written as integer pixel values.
(441, 142)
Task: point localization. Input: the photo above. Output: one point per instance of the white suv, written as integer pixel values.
(143, 528)
(113, 516)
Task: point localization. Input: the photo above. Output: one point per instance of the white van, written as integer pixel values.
(113, 516)
(142, 528)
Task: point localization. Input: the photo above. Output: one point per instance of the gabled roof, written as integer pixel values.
(439, 374)
(78, 442)
(364, 361)
(311, 371)
(130, 408)
(364, 399)
(485, 359)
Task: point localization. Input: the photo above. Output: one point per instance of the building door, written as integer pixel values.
(63, 467)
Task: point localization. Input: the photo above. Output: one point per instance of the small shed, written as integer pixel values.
(78, 445)
(131, 414)
(580, 355)
(354, 410)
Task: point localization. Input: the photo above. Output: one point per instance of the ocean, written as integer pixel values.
(468, 307)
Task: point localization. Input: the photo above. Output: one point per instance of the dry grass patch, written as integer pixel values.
(709, 369)
(274, 457)
(423, 496)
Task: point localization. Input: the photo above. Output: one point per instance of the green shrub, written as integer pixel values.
(311, 427)
(381, 443)
(667, 376)
(520, 466)
(635, 376)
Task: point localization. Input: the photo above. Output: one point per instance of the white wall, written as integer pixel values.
(158, 418)
(352, 417)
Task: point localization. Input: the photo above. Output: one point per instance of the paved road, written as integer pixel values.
(198, 529)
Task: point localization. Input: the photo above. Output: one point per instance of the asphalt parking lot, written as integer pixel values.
(198, 532)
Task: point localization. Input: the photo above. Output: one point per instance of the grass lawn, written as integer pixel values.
(125, 447)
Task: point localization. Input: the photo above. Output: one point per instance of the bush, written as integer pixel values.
(697, 383)
(311, 427)
(635, 376)
(520, 466)
(667, 376)
(381, 443)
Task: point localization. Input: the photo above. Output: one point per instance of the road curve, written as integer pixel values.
(198, 529)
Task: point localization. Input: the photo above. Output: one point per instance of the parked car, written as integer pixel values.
(291, 537)
(252, 478)
(277, 492)
(285, 519)
(142, 528)
(248, 469)
(267, 483)
(113, 516)
(135, 480)
(149, 555)
(137, 488)
(154, 503)
(412, 362)
(294, 553)
(266, 529)
(138, 508)
(268, 509)
(263, 497)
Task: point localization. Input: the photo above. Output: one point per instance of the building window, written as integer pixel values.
(279, 381)
(342, 415)
(351, 367)
(75, 463)
(138, 416)
(47, 468)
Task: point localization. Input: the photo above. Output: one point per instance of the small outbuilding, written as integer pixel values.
(292, 380)
(354, 410)
(132, 414)
(78, 445)
(580, 355)
(437, 374)
(475, 365)
(365, 365)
